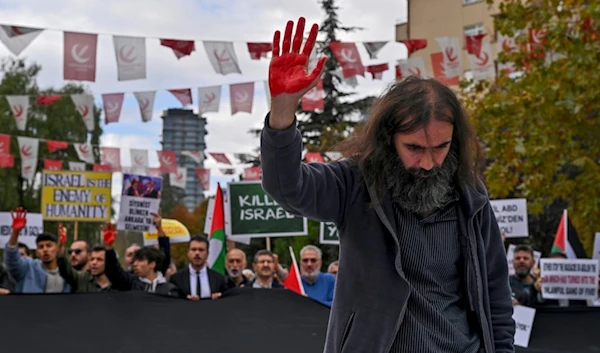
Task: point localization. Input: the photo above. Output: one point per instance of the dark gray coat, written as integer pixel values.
(371, 291)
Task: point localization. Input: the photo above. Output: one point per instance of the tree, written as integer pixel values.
(59, 121)
(541, 129)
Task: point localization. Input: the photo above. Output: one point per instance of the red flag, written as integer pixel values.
(398, 72)
(259, 50)
(7, 161)
(80, 56)
(474, 44)
(54, 146)
(412, 45)
(377, 70)
(102, 168)
(293, 281)
(437, 63)
(241, 96)
(253, 173)
(313, 99)
(111, 156)
(183, 95)
(4, 144)
(113, 102)
(203, 176)
(47, 99)
(168, 161)
(181, 48)
(347, 56)
(52, 164)
(314, 157)
(220, 157)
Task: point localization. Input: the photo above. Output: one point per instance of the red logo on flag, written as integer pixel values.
(80, 56)
(347, 56)
(168, 161)
(112, 107)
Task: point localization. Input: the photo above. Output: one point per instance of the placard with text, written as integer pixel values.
(140, 197)
(28, 235)
(569, 278)
(329, 234)
(76, 196)
(511, 215)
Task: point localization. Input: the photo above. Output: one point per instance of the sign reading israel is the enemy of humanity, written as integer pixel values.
(140, 197)
(511, 215)
(329, 234)
(253, 213)
(76, 196)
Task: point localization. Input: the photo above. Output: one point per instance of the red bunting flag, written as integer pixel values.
(80, 56)
(181, 48)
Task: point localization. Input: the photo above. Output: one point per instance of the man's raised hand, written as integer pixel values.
(19, 217)
(108, 234)
(288, 76)
(62, 234)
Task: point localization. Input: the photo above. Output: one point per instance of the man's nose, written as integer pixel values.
(426, 162)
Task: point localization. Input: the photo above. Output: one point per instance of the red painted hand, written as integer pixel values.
(287, 71)
(19, 219)
(109, 234)
(62, 234)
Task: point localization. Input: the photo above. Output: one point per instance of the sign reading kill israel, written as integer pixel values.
(329, 234)
(253, 213)
(76, 196)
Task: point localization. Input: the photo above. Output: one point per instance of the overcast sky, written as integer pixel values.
(240, 21)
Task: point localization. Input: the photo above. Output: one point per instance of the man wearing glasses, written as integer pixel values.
(317, 285)
(79, 252)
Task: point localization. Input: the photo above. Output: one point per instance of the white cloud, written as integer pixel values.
(233, 20)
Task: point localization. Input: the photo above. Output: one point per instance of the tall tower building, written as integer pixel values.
(184, 131)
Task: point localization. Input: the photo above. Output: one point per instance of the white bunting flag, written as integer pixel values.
(85, 152)
(268, 94)
(373, 48)
(197, 156)
(178, 179)
(17, 39)
(85, 106)
(111, 156)
(146, 103)
(209, 99)
(19, 105)
(482, 64)
(222, 57)
(131, 57)
(76, 166)
(139, 158)
(113, 103)
(452, 54)
(414, 66)
(507, 45)
(28, 149)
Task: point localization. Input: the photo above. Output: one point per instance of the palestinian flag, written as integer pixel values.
(567, 241)
(293, 281)
(217, 249)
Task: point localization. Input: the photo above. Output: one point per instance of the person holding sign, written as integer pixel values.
(39, 275)
(409, 206)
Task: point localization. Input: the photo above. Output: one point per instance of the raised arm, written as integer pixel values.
(315, 190)
(119, 278)
(15, 264)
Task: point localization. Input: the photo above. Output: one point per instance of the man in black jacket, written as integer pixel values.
(197, 281)
(7, 283)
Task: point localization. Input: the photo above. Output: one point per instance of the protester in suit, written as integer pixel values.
(197, 281)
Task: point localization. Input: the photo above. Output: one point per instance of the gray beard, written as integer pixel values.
(418, 190)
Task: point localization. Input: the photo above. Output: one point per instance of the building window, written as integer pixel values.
(469, 2)
(473, 30)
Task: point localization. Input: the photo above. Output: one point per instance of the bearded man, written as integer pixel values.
(422, 264)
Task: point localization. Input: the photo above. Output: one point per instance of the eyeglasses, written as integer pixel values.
(309, 260)
(76, 251)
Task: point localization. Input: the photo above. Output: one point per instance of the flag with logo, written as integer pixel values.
(79, 61)
(567, 241)
(293, 281)
(217, 248)
(19, 105)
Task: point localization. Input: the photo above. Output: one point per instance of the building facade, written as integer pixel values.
(185, 131)
(429, 19)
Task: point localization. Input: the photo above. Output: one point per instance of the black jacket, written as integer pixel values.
(6, 280)
(181, 280)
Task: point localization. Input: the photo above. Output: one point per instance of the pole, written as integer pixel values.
(269, 243)
(75, 231)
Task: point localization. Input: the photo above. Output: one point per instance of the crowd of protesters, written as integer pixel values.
(86, 268)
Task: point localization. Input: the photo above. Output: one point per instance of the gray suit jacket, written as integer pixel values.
(368, 309)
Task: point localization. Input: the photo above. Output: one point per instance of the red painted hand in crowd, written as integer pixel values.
(109, 234)
(288, 68)
(62, 234)
(19, 219)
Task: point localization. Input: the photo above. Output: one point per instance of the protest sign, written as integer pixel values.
(140, 197)
(511, 215)
(173, 229)
(510, 255)
(523, 317)
(27, 236)
(569, 278)
(209, 216)
(253, 213)
(329, 234)
(76, 196)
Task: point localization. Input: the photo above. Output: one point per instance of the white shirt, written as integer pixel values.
(204, 283)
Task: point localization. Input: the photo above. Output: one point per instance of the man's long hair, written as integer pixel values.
(406, 107)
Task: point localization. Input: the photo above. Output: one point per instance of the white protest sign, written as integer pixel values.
(27, 236)
(510, 255)
(596, 253)
(329, 234)
(569, 278)
(511, 215)
(140, 197)
(523, 317)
